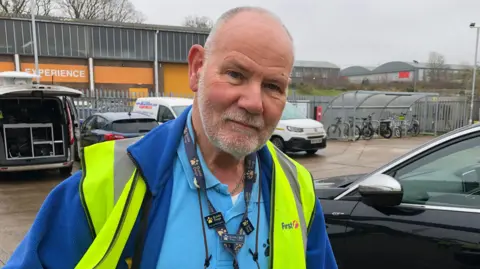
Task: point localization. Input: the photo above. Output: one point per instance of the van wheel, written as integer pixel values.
(66, 171)
(278, 142)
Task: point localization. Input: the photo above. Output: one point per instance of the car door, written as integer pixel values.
(436, 226)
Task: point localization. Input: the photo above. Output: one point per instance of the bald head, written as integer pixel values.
(247, 17)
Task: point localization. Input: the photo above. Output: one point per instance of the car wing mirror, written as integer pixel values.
(381, 190)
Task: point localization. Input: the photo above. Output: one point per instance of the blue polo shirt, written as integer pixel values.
(183, 245)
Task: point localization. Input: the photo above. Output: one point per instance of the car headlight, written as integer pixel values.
(295, 129)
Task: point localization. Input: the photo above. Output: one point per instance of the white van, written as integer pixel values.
(295, 132)
(162, 109)
(37, 124)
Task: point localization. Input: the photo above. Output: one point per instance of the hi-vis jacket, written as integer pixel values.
(93, 219)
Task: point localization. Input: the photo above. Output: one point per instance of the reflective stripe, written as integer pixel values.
(291, 173)
(123, 167)
(126, 193)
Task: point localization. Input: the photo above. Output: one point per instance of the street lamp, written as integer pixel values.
(415, 76)
(472, 25)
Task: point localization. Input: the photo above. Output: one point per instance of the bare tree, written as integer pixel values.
(436, 66)
(14, 6)
(107, 10)
(198, 22)
(45, 7)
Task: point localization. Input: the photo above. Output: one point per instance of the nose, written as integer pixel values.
(251, 99)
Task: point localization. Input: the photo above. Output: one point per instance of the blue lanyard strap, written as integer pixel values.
(232, 242)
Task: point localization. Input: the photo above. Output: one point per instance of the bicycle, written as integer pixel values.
(367, 130)
(336, 128)
(414, 128)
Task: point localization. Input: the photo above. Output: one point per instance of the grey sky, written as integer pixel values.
(353, 32)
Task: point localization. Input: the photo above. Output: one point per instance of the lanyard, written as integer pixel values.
(232, 242)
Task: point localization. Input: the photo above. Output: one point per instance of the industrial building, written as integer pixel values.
(114, 56)
(397, 71)
(315, 72)
(101, 55)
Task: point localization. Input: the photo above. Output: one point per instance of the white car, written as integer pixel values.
(162, 109)
(295, 132)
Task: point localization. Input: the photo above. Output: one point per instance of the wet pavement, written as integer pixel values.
(21, 195)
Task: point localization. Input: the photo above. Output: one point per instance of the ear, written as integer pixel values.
(195, 64)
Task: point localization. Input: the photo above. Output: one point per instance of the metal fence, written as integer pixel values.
(104, 100)
(434, 116)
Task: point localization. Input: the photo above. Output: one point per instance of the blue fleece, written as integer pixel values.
(60, 236)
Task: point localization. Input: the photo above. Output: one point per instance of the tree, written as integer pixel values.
(106, 10)
(198, 22)
(436, 66)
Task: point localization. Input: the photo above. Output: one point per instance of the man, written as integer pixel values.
(203, 191)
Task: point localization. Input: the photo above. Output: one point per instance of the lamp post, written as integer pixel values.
(33, 7)
(415, 76)
(472, 25)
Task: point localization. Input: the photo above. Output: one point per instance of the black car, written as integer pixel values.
(114, 125)
(420, 211)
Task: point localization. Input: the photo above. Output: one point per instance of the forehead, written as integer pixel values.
(254, 38)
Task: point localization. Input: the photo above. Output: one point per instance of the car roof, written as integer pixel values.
(113, 116)
(170, 101)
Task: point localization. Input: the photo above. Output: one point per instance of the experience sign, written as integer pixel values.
(60, 73)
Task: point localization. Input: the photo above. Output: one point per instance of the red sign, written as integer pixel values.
(318, 115)
(404, 74)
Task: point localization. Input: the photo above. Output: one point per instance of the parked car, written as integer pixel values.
(420, 211)
(162, 108)
(36, 124)
(101, 127)
(295, 132)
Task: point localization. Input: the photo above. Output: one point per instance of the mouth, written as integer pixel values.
(244, 125)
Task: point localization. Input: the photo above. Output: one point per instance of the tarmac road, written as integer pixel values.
(22, 194)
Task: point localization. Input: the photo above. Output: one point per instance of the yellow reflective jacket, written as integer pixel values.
(112, 191)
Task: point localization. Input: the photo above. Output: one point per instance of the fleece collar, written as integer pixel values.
(155, 153)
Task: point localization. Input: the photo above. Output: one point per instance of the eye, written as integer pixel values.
(235, 75)
(272, 86)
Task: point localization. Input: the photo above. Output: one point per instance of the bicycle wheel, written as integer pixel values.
(346, 130)
(415, 130)
(358, 133)
(387, 133)
(397, 131)
(367, 133)
(333, 129)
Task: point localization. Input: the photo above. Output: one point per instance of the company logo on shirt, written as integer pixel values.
(290, 225)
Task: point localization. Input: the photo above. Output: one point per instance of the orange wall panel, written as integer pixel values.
(176, 82)
(123, 75)
(7, 66)
(58, 72)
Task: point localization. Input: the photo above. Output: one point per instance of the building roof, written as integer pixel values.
(394, 66)
(355, 70)
(316, 64)
(142, 26)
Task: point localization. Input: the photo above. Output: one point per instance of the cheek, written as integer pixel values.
(220, 94)
(273, 110)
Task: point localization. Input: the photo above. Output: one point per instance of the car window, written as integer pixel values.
(290, 112)
(165, 114)
(101, 122)
(134, 125)
(449, 176)
(178, 109)
(89, 123)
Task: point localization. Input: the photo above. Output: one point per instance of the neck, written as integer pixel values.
(224, 166)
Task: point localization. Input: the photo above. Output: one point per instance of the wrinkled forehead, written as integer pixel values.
(257, 40)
